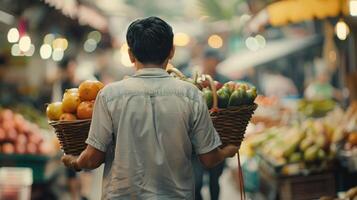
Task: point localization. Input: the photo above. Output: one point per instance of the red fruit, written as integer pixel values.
(35, 138)
(8, 125)
(2, 135)
(31, 148)
(7, 114)
(8, 148)
(20, 148)
(11, 135)
(21, 139)
(218, 85)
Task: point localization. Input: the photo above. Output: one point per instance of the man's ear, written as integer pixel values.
(172, 52)
(131, 56)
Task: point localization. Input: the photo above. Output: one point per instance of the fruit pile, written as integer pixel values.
(311, 144)
(77, 103)
(231, 94)
(17, 135)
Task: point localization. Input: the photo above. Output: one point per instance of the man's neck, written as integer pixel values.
(143, 66)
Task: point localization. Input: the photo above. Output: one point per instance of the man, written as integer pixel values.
(145, 128)
(211, 59)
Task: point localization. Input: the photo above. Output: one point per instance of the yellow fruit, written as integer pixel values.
(54, 111)
(70, 102)
(88, 90)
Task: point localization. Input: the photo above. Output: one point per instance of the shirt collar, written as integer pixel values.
(151, 73)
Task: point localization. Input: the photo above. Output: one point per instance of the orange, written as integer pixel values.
(70, 102)
(85, 110)
(54, 110)
(88, 90)
(67, 117)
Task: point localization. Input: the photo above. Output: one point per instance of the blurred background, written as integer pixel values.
(300, 54)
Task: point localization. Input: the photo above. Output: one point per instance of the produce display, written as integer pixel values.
(231, 94)
(77, 103)
(309, 144)
(351, 194)
(19, 136)
(316, 108)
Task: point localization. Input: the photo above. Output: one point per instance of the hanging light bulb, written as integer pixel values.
(342, 30)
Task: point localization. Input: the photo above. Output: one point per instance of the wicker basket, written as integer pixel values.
(230, 123)
(72, 135)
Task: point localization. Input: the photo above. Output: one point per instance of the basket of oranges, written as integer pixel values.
(71, 118)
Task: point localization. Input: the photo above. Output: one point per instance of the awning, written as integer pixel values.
(272, 51)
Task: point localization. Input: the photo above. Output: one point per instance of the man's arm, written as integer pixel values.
(217, 155)
(90, 158)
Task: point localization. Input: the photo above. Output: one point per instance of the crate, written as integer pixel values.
(307, 187)
(299, 187)
(15, 183)
(36, 162)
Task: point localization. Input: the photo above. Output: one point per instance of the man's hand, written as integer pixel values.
(70, 162)
(230, 150)
(90, 158)
(217, 155)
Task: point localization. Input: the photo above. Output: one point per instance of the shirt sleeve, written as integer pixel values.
(204, 136)
(101, 129)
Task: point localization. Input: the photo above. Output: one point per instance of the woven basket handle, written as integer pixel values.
(176, 72)
(214, 92)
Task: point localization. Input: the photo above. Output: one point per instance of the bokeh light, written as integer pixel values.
(25, 43)
(181, 39)
(252, 43)
(15, 50)
(31, 51)
(57, 54)
(95, 35)
(90, 45)
(261, 41)
(13, 35)
(342, 30)
(215, 41)
(45, 51)
(60, 43)
(48, 39)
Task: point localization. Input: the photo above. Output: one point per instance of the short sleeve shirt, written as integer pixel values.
(149, 125)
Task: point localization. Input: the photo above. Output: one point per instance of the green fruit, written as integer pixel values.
(295, 157)
(231, 86)
(311, 153)
(235, 99)
(242, 96)
(223, 98)
(208, 95)
(225, 88)
(321, 155)
(251, 95)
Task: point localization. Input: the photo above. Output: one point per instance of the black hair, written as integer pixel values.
(150, 40)
(63, 64)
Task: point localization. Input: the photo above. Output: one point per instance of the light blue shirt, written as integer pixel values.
(149, 125)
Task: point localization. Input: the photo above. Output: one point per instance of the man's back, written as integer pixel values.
(156, 122)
